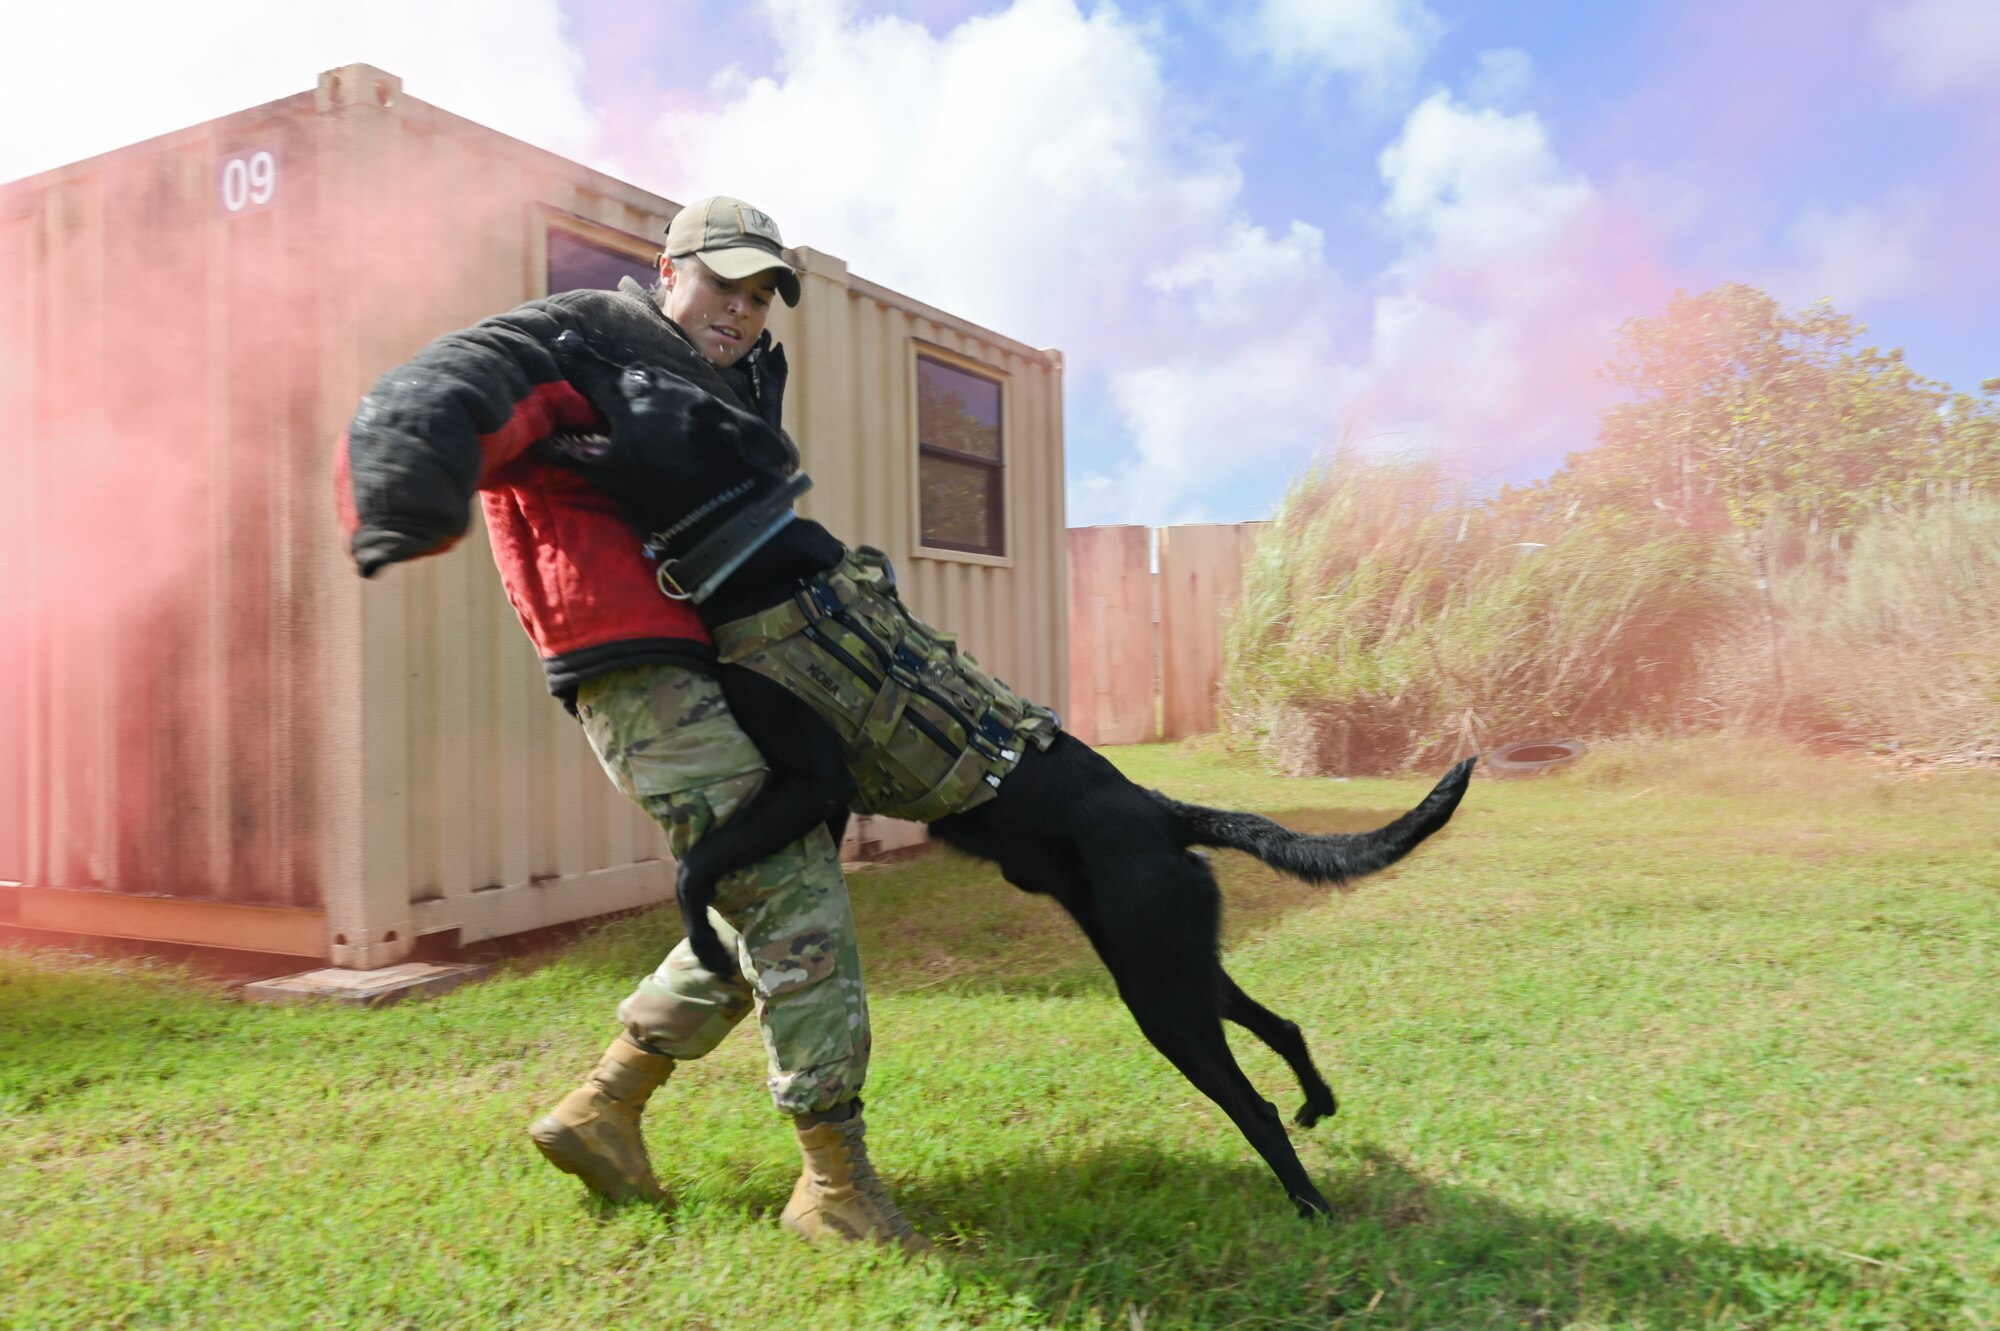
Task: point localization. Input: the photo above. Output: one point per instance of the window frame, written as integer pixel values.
(544, 218)
(921, 350)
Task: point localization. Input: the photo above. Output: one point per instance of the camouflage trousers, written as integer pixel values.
(665, 737)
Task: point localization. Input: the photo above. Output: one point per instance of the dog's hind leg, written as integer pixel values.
(1283, 1036)
(1155, 927)
(1190, 1035)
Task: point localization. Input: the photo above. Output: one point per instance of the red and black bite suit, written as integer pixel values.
(464, 416)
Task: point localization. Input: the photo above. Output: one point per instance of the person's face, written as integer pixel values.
(723, 317)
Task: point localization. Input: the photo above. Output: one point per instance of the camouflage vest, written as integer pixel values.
(928, 733)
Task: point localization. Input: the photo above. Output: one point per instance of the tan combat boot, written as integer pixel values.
(594, 1132)
(839, 1195)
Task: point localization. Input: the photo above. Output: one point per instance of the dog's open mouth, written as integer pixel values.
(584, 445)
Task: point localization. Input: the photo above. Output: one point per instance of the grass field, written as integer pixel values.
(1693, 1036)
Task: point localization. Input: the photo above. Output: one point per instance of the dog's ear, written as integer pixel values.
(666, 411)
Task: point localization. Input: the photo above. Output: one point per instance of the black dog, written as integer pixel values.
(1065, 822)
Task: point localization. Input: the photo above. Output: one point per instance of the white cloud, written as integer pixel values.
(1855, 255)
(1940, 47)
(1475, 181)
(1378, 43)
(1489, 329)
(1031, 170)
(1247, 379)
(1024, 168)
(93, 78)
(1197, 420)
(1237, 281)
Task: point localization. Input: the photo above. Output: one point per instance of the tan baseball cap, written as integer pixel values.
(735, 240)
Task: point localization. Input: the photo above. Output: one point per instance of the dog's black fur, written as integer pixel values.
(1065, 822)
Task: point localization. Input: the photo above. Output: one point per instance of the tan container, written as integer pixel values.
(211, 731)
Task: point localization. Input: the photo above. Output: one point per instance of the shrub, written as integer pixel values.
(1894, 643)
(1389, 621)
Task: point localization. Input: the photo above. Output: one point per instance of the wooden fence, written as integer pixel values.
(1145, 627)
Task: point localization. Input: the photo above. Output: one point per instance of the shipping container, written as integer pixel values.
(212, 731)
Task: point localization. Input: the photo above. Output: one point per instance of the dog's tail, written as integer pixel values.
(1321, 859)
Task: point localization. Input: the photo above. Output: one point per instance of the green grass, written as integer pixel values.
(1692, 1037)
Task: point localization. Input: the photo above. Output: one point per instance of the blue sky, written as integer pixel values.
(1258, 229)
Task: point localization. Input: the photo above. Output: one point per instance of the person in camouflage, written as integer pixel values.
(471, 413)
(667, 740)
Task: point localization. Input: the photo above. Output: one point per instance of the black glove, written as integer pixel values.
(771, 378)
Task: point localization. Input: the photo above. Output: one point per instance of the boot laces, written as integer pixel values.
(869, 1184)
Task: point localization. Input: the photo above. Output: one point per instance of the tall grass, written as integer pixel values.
(1893, 644)
(1389, 620)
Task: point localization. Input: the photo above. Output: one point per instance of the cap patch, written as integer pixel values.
(757, 223)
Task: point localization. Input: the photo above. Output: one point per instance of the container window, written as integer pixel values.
(961, 465)
(575, 264)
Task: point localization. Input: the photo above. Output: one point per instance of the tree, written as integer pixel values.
(1745, 412)
(1754, 419)
(1731, 396)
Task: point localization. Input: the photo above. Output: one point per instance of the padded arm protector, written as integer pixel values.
(434, 430)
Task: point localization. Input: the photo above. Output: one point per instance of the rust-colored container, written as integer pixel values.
(211, 731)
(1201, 580)
(1113, 638)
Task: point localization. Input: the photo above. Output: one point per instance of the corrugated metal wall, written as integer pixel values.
(482, 809)
(856, 420)
(160, 452)
(210, 706)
